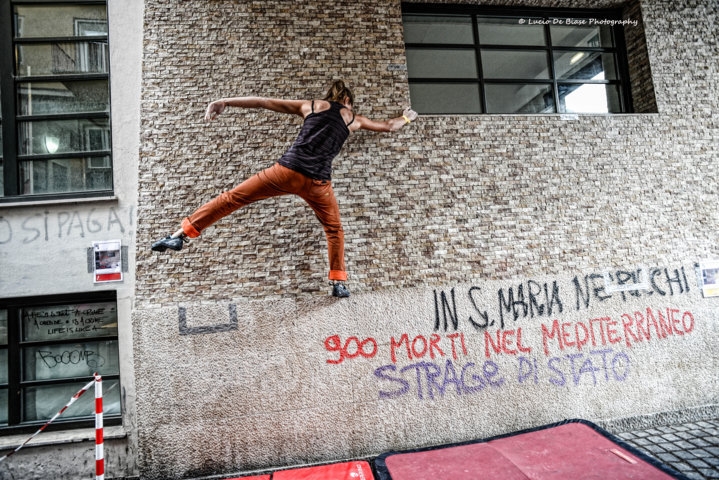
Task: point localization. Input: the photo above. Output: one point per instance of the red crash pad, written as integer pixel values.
(261, 477)
(337, 471)
(575, 450)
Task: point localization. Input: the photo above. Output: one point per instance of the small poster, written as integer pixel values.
(108, 261)
(709, 276)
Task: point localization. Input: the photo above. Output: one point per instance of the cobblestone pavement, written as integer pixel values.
(689, 448)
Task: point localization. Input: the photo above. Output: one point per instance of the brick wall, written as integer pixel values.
(449, 198)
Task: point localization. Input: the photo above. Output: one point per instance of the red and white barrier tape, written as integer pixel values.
(99, 454)
(99, 435)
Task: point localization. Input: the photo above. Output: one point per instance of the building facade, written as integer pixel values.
(539, 245)
(70, 87)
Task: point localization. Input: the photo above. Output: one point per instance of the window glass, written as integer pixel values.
(445, 97)
(2, 176)
(456, 29)
(62, 58)
(509, 31)
(61, 69)
(66, 175)
(61, 342)
(510, 64)
(3, 406)
(67, 360)
(441, 63)
(66, 322)
(528, 63)
(519, 98)
(3, 366)
(60, 20)
(582, 65)
(39, 98)
(63, 136)
(3, 355)
(3, 327)
(43, 402)
(581, 36)
(589, 98)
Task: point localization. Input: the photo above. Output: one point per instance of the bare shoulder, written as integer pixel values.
(357, 121)
(295, 107)
(321, 105)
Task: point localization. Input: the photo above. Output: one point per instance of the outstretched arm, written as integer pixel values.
(391, 125)
(296, 107)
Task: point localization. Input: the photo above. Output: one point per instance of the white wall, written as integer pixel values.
(43, 251)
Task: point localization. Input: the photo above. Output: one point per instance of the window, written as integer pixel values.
(50, 347)
(466, 61)
(2, 186)
(54, 65)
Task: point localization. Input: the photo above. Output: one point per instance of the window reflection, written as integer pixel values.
(515, 64)
(2, 176)
(509, 31)
(78, 135)
(3, 406)
(66, 175)
(581, 36)
(53, 42)
(441, 63)
(63, 58)
(443, 29)
(585, 65)
(35, 21)
(40, 98)
(3, 327)
(519, 98)
(445, 98)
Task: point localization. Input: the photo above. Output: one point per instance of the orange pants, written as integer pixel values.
(272, 182)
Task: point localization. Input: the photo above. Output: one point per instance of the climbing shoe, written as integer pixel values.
(339, 290)
(169, 242)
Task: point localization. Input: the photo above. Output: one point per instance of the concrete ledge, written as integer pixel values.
(59, 201)
(61, 437)
(643, 422)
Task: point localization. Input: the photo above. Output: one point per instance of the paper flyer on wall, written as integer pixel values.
(709, 274)
(108, 261)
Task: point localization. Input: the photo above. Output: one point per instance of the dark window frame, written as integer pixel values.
(14, 347)
(11, 118)
(619, 50)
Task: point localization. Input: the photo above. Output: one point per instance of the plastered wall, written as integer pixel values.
(250, 384)
(477, 248)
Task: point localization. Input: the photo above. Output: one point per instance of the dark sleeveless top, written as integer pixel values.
(318, 143)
